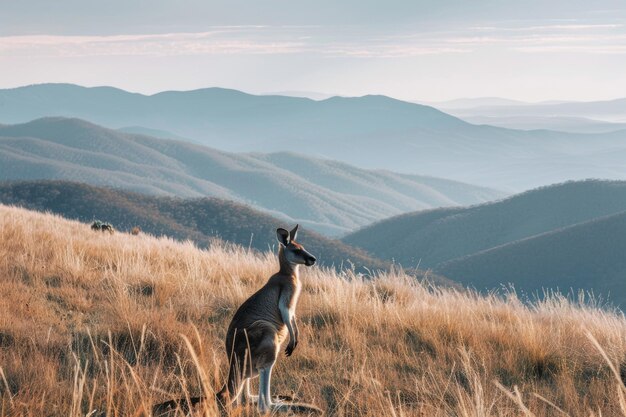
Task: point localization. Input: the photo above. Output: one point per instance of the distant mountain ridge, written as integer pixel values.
(569, 116)
(472, 102)
(328, 196)
(370, 132)
(602, 109)
(561, 123)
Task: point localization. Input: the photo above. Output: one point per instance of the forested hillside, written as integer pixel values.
(199, 220)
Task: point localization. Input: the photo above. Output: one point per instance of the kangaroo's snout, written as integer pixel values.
(310, 260)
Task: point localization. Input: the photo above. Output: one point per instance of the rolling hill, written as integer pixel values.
(200, 220)
(563, 236)
(328, 196)
(432, 237)
(586, 256)
(369, 132)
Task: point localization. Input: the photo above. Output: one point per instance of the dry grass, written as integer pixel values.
(92, 321)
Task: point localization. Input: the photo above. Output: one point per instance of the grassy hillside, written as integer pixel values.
(97, 323)
(587, 256)
(328, 196)
(200, 220)
(369, 131)
(435, 236)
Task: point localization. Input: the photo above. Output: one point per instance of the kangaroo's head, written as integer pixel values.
(293, 252)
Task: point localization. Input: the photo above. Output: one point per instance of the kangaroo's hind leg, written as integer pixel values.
(265, 399)
(265, 357)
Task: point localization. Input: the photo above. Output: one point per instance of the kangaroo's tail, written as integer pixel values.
(297, 408)
(183, 404)
(187, 404)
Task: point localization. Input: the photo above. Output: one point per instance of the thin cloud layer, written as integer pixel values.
(168, 44)
(576, 38)
(353, 42)
(226, 41)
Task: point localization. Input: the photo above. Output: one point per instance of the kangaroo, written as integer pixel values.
(260, 326)
(255, 334)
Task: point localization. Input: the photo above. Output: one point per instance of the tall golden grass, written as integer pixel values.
(97, 324)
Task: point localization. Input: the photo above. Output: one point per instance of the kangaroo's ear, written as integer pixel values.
(293, 233)
(283, 236)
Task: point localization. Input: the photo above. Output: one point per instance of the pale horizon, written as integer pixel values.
(411, 50)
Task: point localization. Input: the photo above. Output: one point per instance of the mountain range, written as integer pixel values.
(576, 117)
(564, 236)
(473, 102)
(561, 123)
(614, 110)
(369, 132)
(328, 196)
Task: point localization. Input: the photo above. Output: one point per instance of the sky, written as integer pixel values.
(418, 50)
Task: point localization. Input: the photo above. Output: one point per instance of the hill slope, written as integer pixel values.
(200, 220)
(329, 196)
(92, 323)
(587, 256)
(434, 236)
(369, 131)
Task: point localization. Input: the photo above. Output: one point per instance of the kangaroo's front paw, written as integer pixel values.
(290, 348)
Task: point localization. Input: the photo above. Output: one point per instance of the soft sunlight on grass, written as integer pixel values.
(98, 324)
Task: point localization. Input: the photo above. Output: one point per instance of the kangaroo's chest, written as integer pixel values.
(297, 288)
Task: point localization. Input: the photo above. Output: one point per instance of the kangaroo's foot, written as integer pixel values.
(250, 399)
(299, 408)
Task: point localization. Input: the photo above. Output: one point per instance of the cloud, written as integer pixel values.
(352, 42)
(228, 40)
(534, 28)
(579, 49)
(168, 44)
(400, 51)
(580, 38)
